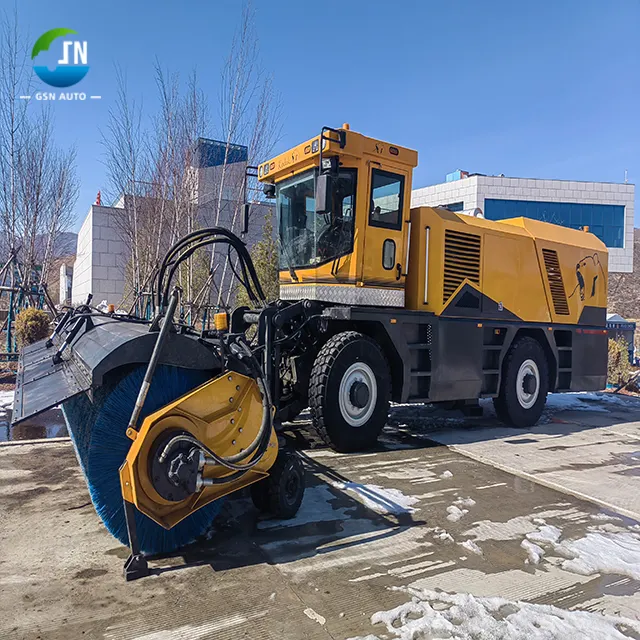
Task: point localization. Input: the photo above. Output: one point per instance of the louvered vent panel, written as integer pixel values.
(556, 285)
(461, 260)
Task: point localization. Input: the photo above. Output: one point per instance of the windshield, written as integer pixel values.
(307, 239)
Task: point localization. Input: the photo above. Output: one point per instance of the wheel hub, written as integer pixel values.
(359, 394)
(528, 384)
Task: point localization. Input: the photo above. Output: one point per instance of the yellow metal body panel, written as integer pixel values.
(362, 268)
(225, 414)
(513, 272)
(512, 275)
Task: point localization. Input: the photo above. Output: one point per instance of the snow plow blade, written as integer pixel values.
(41, 384)
(98, 350)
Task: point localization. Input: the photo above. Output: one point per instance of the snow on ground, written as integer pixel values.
(378, 498)
(546, 533)
(462, 616)
(6, 401)
(534, 552)
(446, 474)
(601, 550)
(471, 546)
(442, 535)
(617, 553)
(585, 401)
(464, 502)
(455, 513)
(315, 507)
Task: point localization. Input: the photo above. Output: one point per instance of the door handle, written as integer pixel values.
(398, 271)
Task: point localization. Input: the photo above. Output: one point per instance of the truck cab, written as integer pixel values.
(342, 202)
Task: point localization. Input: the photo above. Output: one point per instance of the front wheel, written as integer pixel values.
(281, 493)
(524, 386)
(349, 392)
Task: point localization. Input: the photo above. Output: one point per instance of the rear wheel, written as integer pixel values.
(349, 392)
(525, 384)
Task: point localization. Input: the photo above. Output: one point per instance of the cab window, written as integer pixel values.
(387, 191)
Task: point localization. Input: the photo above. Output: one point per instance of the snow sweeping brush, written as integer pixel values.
(98, 431)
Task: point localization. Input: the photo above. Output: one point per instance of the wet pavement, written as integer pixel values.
(468, 516)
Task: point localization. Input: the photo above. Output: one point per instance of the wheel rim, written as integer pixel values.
(291, 488)
(359, 373)
(528, 384)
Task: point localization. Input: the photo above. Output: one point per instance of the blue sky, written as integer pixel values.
(547, 89)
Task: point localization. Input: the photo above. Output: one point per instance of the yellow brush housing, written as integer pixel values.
(225, 414)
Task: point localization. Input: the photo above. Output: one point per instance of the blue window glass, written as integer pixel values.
(455, 206)
(606, 221)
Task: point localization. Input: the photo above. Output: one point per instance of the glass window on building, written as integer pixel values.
(606, 221)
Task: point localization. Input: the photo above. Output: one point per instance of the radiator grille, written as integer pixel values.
(461, 260)
(556, 285)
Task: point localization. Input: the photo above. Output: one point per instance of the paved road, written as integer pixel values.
(414, 514)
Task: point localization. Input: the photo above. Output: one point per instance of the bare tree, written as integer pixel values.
(15, 73)
(250, 115)
(168, 189)
(127, 169)
(38, 185)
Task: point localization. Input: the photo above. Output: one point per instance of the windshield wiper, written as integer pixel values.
(292, 271)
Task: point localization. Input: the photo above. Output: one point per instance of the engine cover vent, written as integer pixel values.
(556, 285)
(461, 260)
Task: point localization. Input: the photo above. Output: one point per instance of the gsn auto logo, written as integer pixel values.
(60, 60)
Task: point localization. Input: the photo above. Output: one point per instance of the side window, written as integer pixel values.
(387, 191)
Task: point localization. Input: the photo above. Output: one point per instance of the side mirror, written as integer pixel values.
(269, 190)
(324, 193)
(245, 218)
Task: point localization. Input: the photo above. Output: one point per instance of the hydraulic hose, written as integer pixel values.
(259, 444)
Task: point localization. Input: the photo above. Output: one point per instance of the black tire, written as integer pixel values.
(282, 492)
(340, 353)
(512, 407)
(260, 495)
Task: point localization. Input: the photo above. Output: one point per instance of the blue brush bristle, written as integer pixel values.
(98, 433)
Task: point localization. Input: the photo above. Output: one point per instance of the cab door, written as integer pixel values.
(386, 236)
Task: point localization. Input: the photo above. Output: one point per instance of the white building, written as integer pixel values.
(606, 208)
(102, 256)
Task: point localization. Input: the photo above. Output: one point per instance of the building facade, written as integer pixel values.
(216, 181)
(606, 208)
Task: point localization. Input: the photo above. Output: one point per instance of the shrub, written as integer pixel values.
(31, 325)
(265, 259)
(619, 368)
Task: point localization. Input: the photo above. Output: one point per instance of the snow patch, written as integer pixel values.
(315, 507)
(585, 402)
(546, 534)
(471, 546)
(616, 553)
(380, 499)
(534, 552)
(464, 502)
(606, 552)
(6, 401)
(455, 513)
(461, 616)
(442, 535)
(446, 474)
(310, 613)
